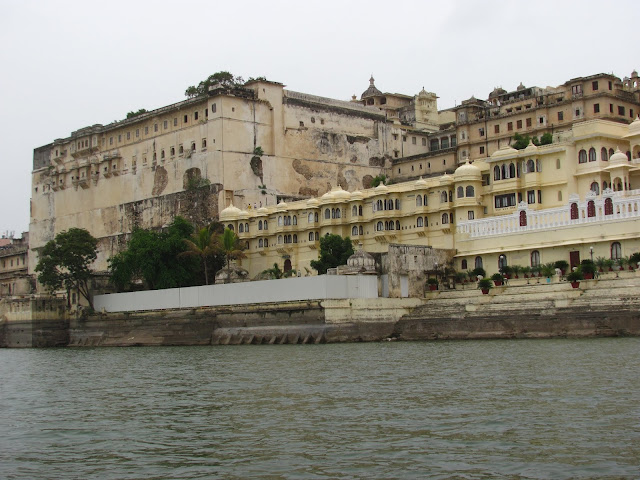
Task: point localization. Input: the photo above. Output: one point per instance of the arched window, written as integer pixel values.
(418, 200)
(397, 204)
(443, 197)
(470, 191)
(502, 262)
(582, 156)
(360, 230)
(419, 222)
(496, 173)
(531, 166)
(338, 212)
(310, 217)
(311, 236)
(295, 220)
(354, 211)
(478, 262)
(535, 258)
(333, 213)
(463, 265)
(604, 185)
(595, 188)
(603, 155)
(591, 208)
(280, 221)
(426, 222)
(445, 219)
(354, 231)
(592, 154)
(397, 224)
(265, 225)
(279, 239)
(295, 238)
(628, 155)
(246, 227)
(611, 152)
(317, 236)
(327, 214)
(360, 210)
(460, 192)
(512, 170)
(390, 225)
(260, 243)
(379, 227)
(608, 206)
(266, 242)
(259, 224)
(451, 195)
(424, 200)
(574, 211)
(523, 218)
(230, 227)
(287, 220)
(616, 251)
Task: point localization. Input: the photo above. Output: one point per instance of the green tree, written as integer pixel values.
(378, 179)
(202, 245)
(334, 251)
(135, 114)
(229, 246)
(65, 260)
(546, 139)
(225, 78)
(155, 258)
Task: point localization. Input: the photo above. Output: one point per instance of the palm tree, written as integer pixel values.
(274, 272)
(229, 244)
(202, 244)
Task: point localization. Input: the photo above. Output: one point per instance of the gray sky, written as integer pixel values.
(68, 64)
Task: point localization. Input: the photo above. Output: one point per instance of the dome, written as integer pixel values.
(504, 151)
(282, 205)
(338, 193)
(531, 148)
(372, 90)
(467, 171)
(382, 188)
(421, 182)
(446, 179)
(634, 128)
(312, 202)
(362, 261)
(618, 158)
(262, 210)
(230, 213)
(357, 195)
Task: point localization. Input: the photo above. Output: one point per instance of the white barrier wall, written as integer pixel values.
(321, 287)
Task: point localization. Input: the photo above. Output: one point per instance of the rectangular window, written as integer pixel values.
(424, 142)
(404, 138)
(128, 135)
(213, 108)
(206, 113)
(155, 127)
(596, 108)
(413, 140)
(195, 115)
(529, 122)
(519, 124)
(204, 143)
(496, 129)
(110, 140)
(481, 150)
(395, 136)
(560, 116)
(631, 113)
(531, 196)
(175, 121)
(146, 130)
(539, 196)
(470, 215)
(594, 86)
(186, 118)
(611, 108)
(610, 86)
(508, 200)
(481, 132)
(137, 132)
(510, 126)
(165, 124)
(620, 110)
(119, 138)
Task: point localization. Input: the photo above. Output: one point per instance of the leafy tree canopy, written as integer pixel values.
(225, 78)
(65, 260)
(378, 179)
(334, 251)
(521, 142)
(228, 244)
(135, 114)
(155, 258)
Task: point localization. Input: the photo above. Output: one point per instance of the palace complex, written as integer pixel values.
(284, 168)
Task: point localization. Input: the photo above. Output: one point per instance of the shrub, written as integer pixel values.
(497, 277)
(485, 284)
(479, 271)
(575, 276)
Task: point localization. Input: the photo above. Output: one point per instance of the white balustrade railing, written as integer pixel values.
(626, 205)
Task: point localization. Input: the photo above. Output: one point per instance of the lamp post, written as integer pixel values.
(591, 251)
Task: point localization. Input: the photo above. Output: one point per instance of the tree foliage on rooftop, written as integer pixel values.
(225, 78)
(521, 142)
(65, 260)
(334, 251)
(378, 179)
(154, 257)
(135, 114)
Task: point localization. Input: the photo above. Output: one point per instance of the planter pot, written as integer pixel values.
(630, 268)
(611, 269)
(588, 276)
(485, 291)
(526, 275)
(516, 276)
(498, 283)
(600, 270)
(433, 287)
(575, 284)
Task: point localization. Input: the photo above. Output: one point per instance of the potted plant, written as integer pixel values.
(479, 271)
(471, 277)
(608, 264)
(526, 271)
(575, 277)
(498, 279)
(601, 263)
(562, 265)
(634, 260)
(433, 283)
(588, 269)
(535, 271)
(507, 271)
(548, 270)
(516, 270)
(485, 285)
(460, 277)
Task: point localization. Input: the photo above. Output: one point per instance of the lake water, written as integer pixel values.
(530, 409)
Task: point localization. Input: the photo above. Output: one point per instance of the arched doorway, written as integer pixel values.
(287, 265)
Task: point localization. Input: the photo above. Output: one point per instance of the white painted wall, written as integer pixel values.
(320, 287)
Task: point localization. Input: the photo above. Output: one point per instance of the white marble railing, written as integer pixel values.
(626, 205)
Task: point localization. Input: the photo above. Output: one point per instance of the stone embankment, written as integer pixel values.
(609, 306)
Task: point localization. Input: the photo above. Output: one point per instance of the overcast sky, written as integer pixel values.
(69, 64)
